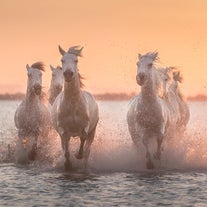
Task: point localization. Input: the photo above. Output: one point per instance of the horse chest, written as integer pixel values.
(30, 121)
(149, 116)
(73, 119)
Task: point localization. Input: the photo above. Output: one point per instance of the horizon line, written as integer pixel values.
(102, 96)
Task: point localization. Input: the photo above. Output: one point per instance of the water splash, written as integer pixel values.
(113, 149)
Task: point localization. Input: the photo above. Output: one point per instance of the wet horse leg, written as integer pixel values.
(159, 138)
(159, 142)
(79, 155)
(33, 152)
(89, 141)
(145, 139)
(149, 162)
(65, 144)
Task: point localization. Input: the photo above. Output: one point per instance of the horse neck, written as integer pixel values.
(149, 90)
(72, 90)
(52, 95)
(31, 98)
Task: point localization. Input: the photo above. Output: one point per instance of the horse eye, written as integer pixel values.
(76, 61)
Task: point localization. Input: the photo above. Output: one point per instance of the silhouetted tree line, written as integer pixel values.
(104, 96)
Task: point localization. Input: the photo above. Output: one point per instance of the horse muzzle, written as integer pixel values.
(140, 79)
(68, 75)
(58, 88)
(37, 89)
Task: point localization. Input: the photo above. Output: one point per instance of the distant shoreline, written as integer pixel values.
(102, 96)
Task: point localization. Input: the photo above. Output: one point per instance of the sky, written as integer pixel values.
(112, 33)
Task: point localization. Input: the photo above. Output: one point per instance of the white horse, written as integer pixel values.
(175, 98)
(149, 116)
(32, 118)
(181, 100)
(56, 84)
(74, 112)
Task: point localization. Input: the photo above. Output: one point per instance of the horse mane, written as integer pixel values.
(74, 50)
(177, 76)
(80, 80)
(180, 94)
(39, 66)
(159, 82)
(153, 55)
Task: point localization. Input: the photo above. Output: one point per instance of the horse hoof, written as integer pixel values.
(32, 155)
(68, 166)
(150, 165)
(78, 156)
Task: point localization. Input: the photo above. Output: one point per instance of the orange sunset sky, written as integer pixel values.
(112, 32)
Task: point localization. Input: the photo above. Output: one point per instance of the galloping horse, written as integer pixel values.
(74, 112)
(56, 84)
(181, 100)
(175, 98)
(32, 118)
(149, 117)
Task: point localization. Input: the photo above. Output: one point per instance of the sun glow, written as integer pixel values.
(112, 33)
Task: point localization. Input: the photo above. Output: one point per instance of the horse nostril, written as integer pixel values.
(59, 87)
(37, 88)
(68, 75)
(140, 78)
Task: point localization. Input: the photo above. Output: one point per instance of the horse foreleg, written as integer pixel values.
(149, 162)
(65, 144)
(159, 143)
(79, 155)
(87, 150)
(33, 152)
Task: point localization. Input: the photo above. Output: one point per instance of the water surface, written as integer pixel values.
(117, 175)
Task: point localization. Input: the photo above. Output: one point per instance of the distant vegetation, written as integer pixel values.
(114, 96)
(199, 97)
(7, 96)
(104, 96)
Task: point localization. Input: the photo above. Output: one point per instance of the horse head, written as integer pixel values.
(56, 84)
(34, 73)
(69, 62)
(145, 66)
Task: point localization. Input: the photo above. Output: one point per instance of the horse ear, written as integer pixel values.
(79, 52)
(52, 68)
(62, 52)
(27, 66)
(139, 56)
(81, 49)
(154, 55)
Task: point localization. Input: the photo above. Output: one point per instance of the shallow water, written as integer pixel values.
(117, 175)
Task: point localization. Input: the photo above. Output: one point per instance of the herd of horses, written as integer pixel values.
(159, 112)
